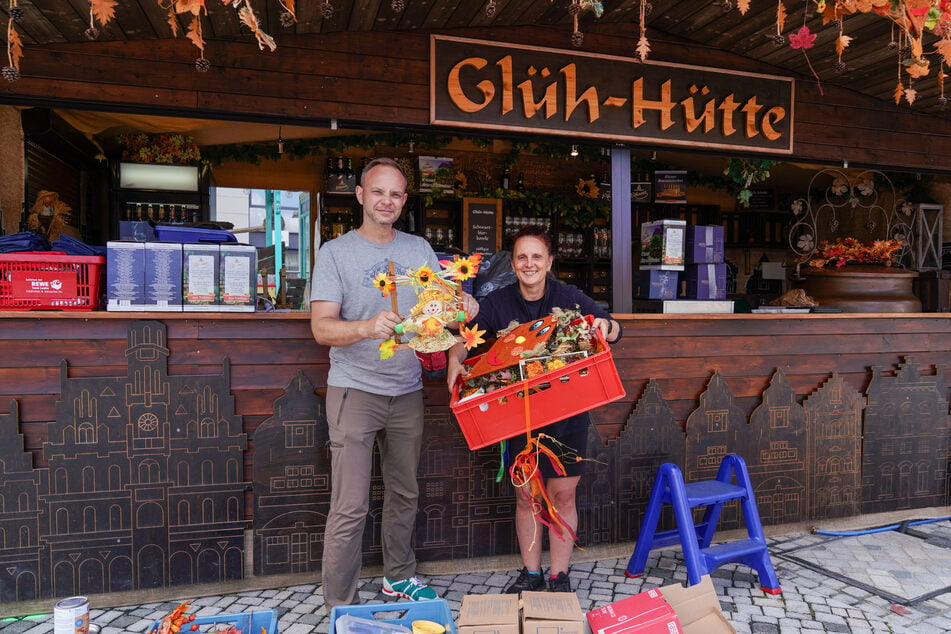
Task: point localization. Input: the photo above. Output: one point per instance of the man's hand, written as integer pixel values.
(383, 326)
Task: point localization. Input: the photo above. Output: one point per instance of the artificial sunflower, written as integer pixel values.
(587, 188)
(388, 348)
(472, 336)
(383, 282)
(421, 276)
(462, 269)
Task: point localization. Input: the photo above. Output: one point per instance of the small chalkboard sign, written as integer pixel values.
(481, 225)
(762, 199)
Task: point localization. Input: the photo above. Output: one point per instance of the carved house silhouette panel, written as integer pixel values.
(650, 437)
(905, 446)
(595, 494)
(712, 431)
(834, 461)
(144, 485)
(19, 515)
(291, 482)
(490, 517)
(774, 448)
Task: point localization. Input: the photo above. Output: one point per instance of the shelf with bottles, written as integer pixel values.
(166, 213)
(339, 213)
(442, 223)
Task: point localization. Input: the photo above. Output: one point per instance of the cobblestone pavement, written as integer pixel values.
(812, 600)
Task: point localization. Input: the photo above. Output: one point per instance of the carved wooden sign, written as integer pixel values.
(496, 85)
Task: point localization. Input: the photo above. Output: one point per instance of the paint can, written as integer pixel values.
(71, 616)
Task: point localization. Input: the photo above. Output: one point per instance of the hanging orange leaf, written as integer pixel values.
(289, 7)
(780, 17)
(14, 46)
(841, 43)
(194, 33)
(643, 48)
(743, 6)
(103, 10)
(910, 95)
(919, 67)
(195, 7)
(173, 21)
(943, 48)
(899, 91)
(863, 6)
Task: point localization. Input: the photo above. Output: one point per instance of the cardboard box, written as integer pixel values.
(488, 614)
(125, 276)
(163, 276)
(657, 284)
(662, 245)
(200, 277)
(706, 281)
(644, 613)
(705, 243)
(697, 611)
(682, 306)
(552, 613)
(238, 267)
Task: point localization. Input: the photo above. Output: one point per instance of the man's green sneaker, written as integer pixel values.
(412, 589)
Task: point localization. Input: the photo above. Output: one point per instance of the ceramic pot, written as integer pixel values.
(862, 289)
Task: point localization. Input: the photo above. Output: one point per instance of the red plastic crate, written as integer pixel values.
(553, 396)
(50, 281)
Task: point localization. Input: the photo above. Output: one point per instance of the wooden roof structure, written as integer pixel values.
(870, 65)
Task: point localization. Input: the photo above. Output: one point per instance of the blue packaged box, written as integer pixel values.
(238, 277)
(705, 244)
(706, 281)
(125, 276)
(200, 277)
(403, 613)
(163, 276)
(658, 284)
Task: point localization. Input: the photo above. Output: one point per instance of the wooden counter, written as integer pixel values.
(172, 436)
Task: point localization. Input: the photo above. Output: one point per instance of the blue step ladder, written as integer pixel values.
(700, 556)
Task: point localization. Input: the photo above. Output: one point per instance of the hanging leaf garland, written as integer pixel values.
(11, 72)
(805, 39)
(643, 45)
(246, 14)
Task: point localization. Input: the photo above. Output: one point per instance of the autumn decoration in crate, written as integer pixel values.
(560, 364)
(179, 621)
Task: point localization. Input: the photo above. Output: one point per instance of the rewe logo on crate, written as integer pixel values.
(43, 283)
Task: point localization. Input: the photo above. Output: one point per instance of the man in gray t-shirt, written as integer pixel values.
(369, 399)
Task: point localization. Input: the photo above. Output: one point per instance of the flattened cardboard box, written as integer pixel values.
(125, 276)
(552, 613)
(697, 611)
(163, 276)
(488, 614)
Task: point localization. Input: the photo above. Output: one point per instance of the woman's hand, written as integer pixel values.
(454, 366)
(608, 328)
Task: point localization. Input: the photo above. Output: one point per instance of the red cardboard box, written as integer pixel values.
(644, 613)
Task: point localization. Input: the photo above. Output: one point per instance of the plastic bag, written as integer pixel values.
(496, 271)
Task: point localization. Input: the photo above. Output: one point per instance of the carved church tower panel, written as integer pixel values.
(650, 437)
(834, 441)
(20, 547)
(291, 482)
(774, 449)
(905, 446)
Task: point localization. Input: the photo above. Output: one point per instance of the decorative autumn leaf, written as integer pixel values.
(195, 7)
(910, 95)
(916, 49)
(643, 48)
(943, 48)
(743, 6)
(780, 17)
(918, 67)
(173, 21)
(841, 43)
(803, 38)
(194, 33)
(14, 48)
(899, 91)
(103, 10)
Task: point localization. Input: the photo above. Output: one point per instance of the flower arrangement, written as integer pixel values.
(175, 149)
(846, 250)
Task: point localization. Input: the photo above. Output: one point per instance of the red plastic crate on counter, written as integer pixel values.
(48, 280)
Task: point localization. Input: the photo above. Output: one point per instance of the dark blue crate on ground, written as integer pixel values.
(401, 613)
(247, 622)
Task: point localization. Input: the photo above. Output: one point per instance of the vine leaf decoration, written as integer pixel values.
(804, 39)
(743, 6)
(643, 45)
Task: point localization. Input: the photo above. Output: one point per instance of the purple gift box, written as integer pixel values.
(657, 284)
(705, 243)
(706, 281)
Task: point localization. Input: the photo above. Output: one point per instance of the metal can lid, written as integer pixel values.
(94, 629)
(72, 602)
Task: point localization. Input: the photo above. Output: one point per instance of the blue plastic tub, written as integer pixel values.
(247, 622)
(188, 235)
(401, 613)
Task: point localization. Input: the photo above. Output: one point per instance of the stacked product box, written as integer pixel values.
(200, 277)
(658, 284)
(705, 274)
(237, 278)
(662, 245)
(125, 276)
(163, 276)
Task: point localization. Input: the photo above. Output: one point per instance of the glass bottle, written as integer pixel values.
(521, 182)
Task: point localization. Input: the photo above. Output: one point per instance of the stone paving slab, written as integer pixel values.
(811, 601)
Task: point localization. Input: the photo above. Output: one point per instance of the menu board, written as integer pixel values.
(481, 225)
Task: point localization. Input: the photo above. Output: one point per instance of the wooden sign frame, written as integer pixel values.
(474, 228)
